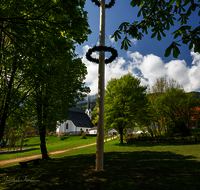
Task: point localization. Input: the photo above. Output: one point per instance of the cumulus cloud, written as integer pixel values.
(134, 41)
(112, 39)
(148, 68)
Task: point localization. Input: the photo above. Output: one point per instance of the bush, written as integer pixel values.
(72, 134)
(60, 134)
(92, 135)
(83, 135)
(81, 132)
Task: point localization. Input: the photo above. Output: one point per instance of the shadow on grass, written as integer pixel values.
(31, 145)
(123, 170)
(64, 138)
(151, 144)
(19, 151)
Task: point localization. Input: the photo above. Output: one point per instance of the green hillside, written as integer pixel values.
(82, 106)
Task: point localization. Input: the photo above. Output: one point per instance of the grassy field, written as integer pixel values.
(53, 144)
(129, 166)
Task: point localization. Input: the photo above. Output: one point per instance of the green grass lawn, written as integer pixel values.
(129, 166)
(54, 143)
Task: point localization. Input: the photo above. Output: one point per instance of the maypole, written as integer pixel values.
(101, 79)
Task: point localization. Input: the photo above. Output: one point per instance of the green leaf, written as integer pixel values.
(116, 35)
(124, 26)
(168, 51)
(139, 13)
(191, 45)
(163, 34)
(176, 35)
(153, 35)
(171, 2)
(176, 52)
(196, 48)
(159, 36)
(178, 3)
(168, 26)
(125, 43)
(133, 3)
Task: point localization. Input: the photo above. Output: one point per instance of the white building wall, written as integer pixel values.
(62, 127)
(112, 131)
(71, 126)
(85, 129)
(93, 131)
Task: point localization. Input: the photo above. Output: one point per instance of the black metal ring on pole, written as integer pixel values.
(102, 48)
(109, 5)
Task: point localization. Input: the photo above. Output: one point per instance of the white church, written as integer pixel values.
(76, 122)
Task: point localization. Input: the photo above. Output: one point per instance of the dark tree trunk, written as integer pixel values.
(2, 125)
(43, 147)
(7, 101)
(42, 129)
(121, 135)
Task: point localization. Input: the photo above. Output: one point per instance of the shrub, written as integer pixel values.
(71, 134)
(83, 135)
(60, 134)
(81, 132)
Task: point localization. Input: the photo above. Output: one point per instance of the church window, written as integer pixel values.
(66, 125)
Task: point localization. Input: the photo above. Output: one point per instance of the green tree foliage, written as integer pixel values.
(171, 108)
(37, 44)
(125, 102)
(160, 15)
(61, 90)
(176, 108)
(18, 126)
(95, 113)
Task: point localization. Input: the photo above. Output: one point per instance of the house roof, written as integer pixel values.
(93, 128)
(80, 119)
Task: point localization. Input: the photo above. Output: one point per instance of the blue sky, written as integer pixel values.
(145, 59)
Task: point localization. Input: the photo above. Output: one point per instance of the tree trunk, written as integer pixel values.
(22, 141)
(2, 125)
(42, 129)
(43, 147)
(121, 135)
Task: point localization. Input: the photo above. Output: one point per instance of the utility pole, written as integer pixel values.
(101, 84)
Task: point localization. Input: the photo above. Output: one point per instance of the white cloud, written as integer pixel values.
(196, 57)
(134, 41)
(112, 39)
(148, 67)
(178, 70)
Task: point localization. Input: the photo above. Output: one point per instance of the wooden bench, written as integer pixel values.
(24, 163)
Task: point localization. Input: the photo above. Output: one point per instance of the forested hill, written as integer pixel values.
(197, 94)
(82, 106)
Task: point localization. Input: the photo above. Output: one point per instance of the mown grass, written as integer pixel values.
(53, 144)
(129, 166)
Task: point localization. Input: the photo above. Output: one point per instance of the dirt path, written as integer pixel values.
(3, 162)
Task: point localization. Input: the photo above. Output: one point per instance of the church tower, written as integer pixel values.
(88, 110)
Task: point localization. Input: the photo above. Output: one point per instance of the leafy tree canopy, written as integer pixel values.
(37, 38)
(171, 108)
(160, 15)
(125, 101)
(23, 21)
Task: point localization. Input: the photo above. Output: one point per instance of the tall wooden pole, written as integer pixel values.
(101, 84)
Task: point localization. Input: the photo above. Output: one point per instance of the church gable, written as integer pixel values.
(80, 119)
